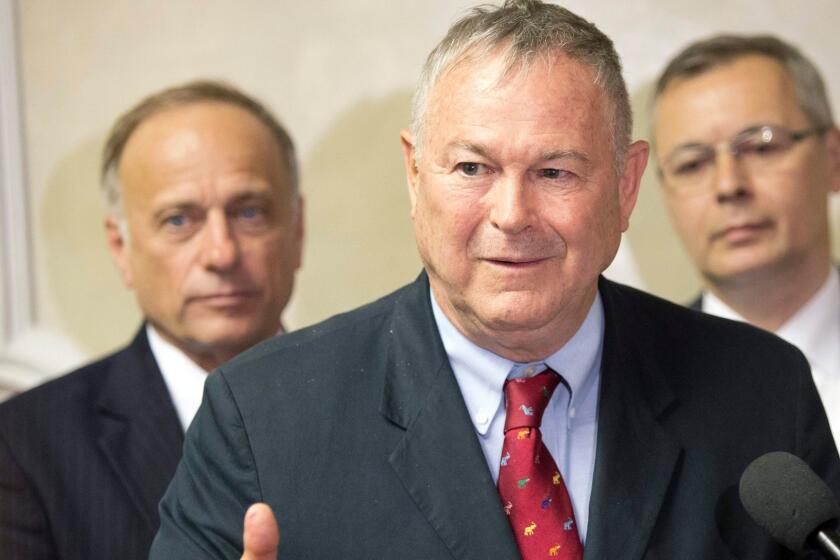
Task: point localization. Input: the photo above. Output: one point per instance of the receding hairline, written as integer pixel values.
(212, 104)
(706, 55)
(183, 95)
(727, 63)
(679, 79)
(268, 137)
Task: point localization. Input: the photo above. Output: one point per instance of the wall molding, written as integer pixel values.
(17, 274)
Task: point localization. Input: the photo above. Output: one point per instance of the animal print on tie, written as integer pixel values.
(533, 494)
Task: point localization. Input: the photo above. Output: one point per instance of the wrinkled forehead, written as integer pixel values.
(480, 73)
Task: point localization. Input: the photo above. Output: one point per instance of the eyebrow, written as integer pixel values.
(181, 202)
(565, 154)
(694, 145)
(688, 146)
(545, 156)
(470, 147)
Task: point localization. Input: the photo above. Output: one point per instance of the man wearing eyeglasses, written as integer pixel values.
(748, 156)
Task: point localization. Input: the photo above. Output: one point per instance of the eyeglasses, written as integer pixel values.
(692, 166)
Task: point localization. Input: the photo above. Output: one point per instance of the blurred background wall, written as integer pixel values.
(339, 74)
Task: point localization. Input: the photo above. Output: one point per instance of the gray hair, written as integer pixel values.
(713, 52)
(523, 29)
(192, 92)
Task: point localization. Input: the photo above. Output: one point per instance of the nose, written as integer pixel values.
(730, 178)
(220, 250)
(512, 208)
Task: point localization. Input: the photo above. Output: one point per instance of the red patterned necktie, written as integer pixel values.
(531, 487)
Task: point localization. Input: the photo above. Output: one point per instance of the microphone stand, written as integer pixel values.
(828, 542)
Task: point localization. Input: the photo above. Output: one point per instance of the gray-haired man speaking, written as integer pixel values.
(510, 403)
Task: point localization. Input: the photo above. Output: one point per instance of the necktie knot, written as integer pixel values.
(526, 399)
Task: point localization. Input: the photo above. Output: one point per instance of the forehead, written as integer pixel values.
(204, 125)
(553, 94)
(198, 144)
(718, 103)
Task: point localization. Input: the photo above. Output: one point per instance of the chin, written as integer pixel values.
(234, 337)
(514, 314)
(735, 266)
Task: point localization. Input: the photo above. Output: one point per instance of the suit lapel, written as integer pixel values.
(636, 457)
(138, 430)
(440, 461)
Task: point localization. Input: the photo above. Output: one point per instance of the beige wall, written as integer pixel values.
(339, 73)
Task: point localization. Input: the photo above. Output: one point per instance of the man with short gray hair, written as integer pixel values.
(204, 222)
(511, 402)
(749, 156)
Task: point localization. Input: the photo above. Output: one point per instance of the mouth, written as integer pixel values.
(742, 233)
(226, 298)
(518, 263)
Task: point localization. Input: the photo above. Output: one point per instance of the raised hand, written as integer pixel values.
(260, 535)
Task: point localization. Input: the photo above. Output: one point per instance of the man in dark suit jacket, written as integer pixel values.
(204, 224)
(755, 218)
(356, 433)
(378, 434)
(85, 459)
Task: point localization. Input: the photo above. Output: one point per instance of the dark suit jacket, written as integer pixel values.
(84, 460)
(356, 433)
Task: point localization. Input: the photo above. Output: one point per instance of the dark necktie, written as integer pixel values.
(530, 485)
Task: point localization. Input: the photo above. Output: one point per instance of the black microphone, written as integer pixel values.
(785, 497)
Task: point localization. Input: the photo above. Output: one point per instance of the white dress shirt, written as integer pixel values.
(183, 377)
(570, 423)
(815, 330)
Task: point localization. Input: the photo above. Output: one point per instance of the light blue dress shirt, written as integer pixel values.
(570, 422)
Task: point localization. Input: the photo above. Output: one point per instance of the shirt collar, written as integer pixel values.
(814, 329)
(481, 374)
(184, 378)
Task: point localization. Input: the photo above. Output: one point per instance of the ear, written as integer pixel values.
(411, 171)
(118, 247)
(299, 229)
(631, 179)
(832, 142)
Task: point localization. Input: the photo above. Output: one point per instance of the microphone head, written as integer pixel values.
(785, 497)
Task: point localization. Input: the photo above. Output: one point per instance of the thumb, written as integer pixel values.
(261, 536)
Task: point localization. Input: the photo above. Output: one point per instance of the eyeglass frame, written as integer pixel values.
(740, 139)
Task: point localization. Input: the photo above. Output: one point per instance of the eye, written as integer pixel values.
(176, 220)
(551, 173)
(250, 212)
(688, 167)
(180, 224)
(250, 216)
(472, 169)
(691, 166)
(760, 148)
